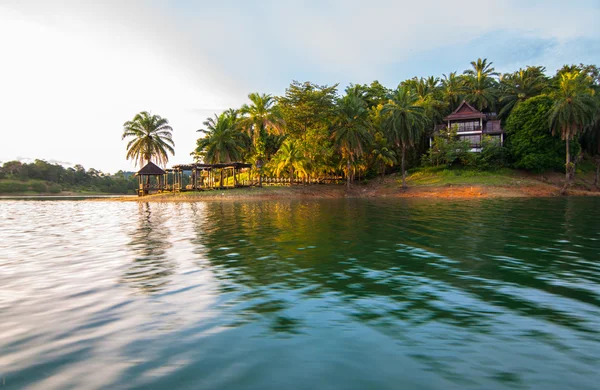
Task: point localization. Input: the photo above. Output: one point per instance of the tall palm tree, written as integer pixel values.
(289, 157)
(404, 123)
(151, 139)
(223, 142)
(452, 89)
(259, 118)
(480, 85)
(574, 109)
(351, 129)
(519, 86)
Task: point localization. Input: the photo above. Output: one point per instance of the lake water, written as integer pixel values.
(348, 294)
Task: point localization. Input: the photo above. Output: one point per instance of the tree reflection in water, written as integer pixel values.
(451, 262)
(150, 270)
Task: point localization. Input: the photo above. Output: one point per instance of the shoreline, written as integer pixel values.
(340, 192)
(422, 184)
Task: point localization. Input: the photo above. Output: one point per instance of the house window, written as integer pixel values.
(468, 126)
(474, 140)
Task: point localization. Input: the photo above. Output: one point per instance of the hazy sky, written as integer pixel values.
(72, 72)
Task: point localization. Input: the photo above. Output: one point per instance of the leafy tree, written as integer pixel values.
(404, 123)
(223, 142)
(351, 129)
(376, 94)
(151, 138)
(308, 111)
(573, 110)
(447, 149)
(529, 142)
(519, 86)
(13, 169)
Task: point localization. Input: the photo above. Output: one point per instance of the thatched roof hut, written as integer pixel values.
(151, 169)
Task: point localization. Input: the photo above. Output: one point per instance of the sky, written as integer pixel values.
(73, 71)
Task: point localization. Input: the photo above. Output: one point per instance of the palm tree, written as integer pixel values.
(427, 91)
(480, 85)
(152, 138)
(404, 123)
(259, 118)
(520, 86)
(223, 142)
(452, 89)
(574, 108)
(289, 157)
(382, 155)
(351, 129)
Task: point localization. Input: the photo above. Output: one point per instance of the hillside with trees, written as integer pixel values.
(43, 177)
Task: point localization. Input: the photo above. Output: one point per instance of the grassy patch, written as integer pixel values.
(446, 177)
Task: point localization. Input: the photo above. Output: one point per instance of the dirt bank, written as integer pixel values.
(512, 186)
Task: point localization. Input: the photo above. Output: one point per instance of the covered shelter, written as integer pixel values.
(208, 176)
(151, 179)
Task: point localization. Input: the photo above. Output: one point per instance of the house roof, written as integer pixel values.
(151, 169)
(465, 111)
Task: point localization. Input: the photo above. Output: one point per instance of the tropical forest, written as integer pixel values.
(368, 130)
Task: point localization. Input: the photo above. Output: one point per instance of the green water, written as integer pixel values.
(348, 294)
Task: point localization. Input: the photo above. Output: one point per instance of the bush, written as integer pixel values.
(38, 186)
(8, 187)
(529, 140)
(448, 151)
(55, 188)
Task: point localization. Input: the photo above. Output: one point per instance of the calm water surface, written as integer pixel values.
(348, 294)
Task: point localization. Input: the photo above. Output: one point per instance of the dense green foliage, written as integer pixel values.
(43, 177)
(312, 131)
(448, 150)
(529, 142)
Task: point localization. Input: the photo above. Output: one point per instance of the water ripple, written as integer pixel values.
(385, 294)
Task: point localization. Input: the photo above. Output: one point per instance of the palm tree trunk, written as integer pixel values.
(403, 169)
(260, 177)
(567, 168)
(348, 173)
(597, 177)
(291, 175)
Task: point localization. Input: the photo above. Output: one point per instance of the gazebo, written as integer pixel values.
(146, 186)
